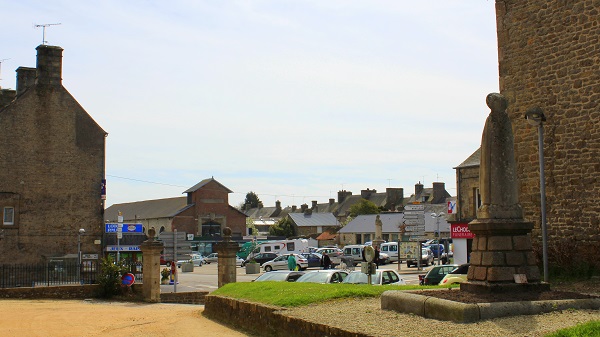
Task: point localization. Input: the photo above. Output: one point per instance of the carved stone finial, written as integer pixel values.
(151, 234)
(227, 233)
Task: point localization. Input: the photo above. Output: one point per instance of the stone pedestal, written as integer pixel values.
(502, 249)
(151, 268)
(226, 263)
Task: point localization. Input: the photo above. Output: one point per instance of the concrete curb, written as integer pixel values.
(445, 310)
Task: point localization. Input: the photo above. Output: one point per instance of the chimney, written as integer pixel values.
(366, 194)
(25, 79)
(331, 201)
(439, 193)
(303, 208)
(294, 208)
(6, 96)
(342, 195)
(314, 204)
(49, 65)
(418, 189)
(394, 197)
(277, 204)
(308, 211)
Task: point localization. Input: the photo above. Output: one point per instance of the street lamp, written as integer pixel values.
(535, 116)
(81, 232)
(437, 220)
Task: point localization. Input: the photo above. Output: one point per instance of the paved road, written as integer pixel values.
(205, 278)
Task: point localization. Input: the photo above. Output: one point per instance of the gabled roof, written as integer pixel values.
(314, 219)
(366, 223)
(148, 209)
(473, 160)
(326, 236)
(203, 183)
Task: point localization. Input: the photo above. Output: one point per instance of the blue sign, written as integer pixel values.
(127, 228)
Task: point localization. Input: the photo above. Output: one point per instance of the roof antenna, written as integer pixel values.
(44, 29)
(1, 67)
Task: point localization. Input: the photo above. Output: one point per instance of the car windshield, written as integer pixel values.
(314, 277)
(361, 278)
(272, 277)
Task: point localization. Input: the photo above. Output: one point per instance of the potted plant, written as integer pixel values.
(187, 266)
(164, 276)
(252, 267)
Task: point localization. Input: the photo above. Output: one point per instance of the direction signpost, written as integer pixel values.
(175, 246)
(414, 221)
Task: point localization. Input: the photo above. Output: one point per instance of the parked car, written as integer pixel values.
(437, 273)
(458, 275)
(426, 258)
(261, 258)
(281, 263)
(164, 261)
(314, 259)
(355, 252)
(213, 257)
(196, 259)
(436, 249)
(384, 259)
(323, 276)
(381, 277)
(280, 275)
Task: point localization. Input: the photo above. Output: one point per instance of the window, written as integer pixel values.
(267, 248)
(9, 216)
(291, 247)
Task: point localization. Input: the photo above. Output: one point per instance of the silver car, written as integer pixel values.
(323, 276)
(381, 277)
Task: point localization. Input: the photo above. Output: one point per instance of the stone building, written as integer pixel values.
(548, 52)
(52, 157)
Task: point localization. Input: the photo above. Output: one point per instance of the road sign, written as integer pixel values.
(126, 228)
(413, 222)
(413, 207)
(414, 229)
(128, 279)
(413, 213)
(176, 242)
(417, 238)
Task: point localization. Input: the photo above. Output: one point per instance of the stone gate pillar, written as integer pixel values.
(151, 267)
(227, 250)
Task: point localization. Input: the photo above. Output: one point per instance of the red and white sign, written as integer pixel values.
(460, 231)
(451, 207)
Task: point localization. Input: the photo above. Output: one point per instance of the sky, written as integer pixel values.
(292, 100)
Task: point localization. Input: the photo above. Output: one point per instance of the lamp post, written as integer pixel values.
(81, 232)
(437, 220)
(535, 116)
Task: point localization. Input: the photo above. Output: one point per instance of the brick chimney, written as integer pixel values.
(294, 208)
(366, 194)
(278, 204)
(342, 195)
(25, 79)
(308, 211)
(303, 208)
(331, 201)
(314, 204)
(6, 96)
(418, 189)
(49, 65)
(439, 193)
(394, 197)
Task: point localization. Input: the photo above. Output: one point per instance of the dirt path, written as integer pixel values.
(99, 318)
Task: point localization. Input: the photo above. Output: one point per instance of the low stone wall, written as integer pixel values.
(265, 320)
(56, 292)
(184, 298)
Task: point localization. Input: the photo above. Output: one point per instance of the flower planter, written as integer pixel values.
(187, 267)
(164, 281)
(252, 268)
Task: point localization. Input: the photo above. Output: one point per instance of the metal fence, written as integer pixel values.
(55, 274)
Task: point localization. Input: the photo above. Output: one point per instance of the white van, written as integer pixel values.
(296, 246)
(391, 249)
(355, 252)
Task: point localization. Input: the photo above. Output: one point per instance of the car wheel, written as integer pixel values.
(242, 264)
(268, 268)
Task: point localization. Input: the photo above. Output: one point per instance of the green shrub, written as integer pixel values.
(109, 277)
(589, 329)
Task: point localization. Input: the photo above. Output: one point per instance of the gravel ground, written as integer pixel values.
(366, 316)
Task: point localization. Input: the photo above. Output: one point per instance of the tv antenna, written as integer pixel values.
(44, 29)
(1, 67)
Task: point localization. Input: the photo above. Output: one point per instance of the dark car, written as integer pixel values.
(314, 259)
(436, 249)
(437, 273)
(261, 258)
(280, 275)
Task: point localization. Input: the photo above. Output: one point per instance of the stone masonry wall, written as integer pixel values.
(549, 52)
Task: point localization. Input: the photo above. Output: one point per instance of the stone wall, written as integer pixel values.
(184, 297)
(265, 320)
(55, 292)
(467, 182)
(548, 57)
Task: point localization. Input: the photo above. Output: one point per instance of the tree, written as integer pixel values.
(364, 206)
(283, 228)
(251, 201)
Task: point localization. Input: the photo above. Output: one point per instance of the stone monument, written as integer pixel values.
(502, 259)
(151, 267)
(378, 232)
(227, 250)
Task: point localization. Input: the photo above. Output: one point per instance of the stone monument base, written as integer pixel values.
(501, 288)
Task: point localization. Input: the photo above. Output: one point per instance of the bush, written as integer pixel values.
(109, 277)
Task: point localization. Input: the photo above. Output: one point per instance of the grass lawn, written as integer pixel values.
(589, 329)
(292, 294)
